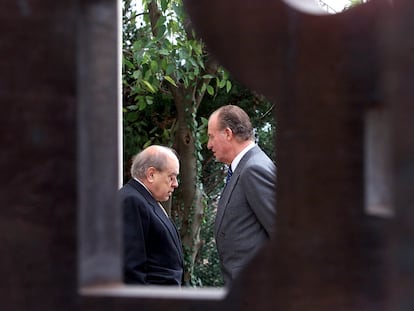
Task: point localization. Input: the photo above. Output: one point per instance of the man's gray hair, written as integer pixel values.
(152, 156)
(237, 120)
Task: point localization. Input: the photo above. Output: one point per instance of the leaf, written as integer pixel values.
(128, 63)
(154, 66)
(164, 5)
(149, 86)
(222, 83)
(164, 52)
(161, 30)
(148, 74)
(132, 116)
(196, 71)
(170, 69)
(136, 74)
(169, 79)
(142, 104)
(160, 21)
(228, 86)
(149, 100)
(163, 64)
(225, 75)
(132, 107)
(183, 54)
(203, 88)
(185, 80)
(137, 45)
(210, 90)
(192, 61)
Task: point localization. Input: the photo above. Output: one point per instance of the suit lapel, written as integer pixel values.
(172, 229)
(169, 224)
(228, 189)
(222, 204)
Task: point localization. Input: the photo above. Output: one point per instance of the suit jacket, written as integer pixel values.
(152, 246)
(246, 212)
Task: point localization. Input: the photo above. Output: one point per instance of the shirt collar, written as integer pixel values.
(159, 204)
(237, 159)
(143, 185)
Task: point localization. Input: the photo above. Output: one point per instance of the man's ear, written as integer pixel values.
(150, 174)
(229, 133)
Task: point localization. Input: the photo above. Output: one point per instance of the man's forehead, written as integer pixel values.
(212, 126)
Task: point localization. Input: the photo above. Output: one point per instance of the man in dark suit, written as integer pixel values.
(246, 210)
(152, 246)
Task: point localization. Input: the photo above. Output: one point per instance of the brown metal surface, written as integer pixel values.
(322, 72)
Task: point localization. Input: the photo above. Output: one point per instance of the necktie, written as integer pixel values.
(229, 174)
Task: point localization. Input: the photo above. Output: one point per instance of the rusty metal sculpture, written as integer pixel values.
(325, 73)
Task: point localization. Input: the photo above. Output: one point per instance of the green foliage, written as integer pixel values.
(143, 127)
(207, 266)
(154, 60)
(163, 55)
(146, 71)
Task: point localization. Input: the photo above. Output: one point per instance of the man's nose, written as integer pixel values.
(175, 183)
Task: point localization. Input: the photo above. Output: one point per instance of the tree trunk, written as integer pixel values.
(189, 209)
